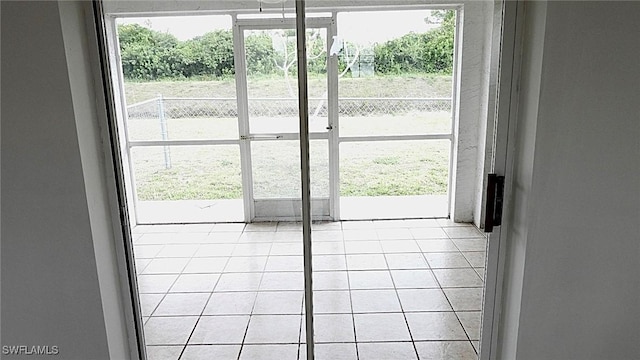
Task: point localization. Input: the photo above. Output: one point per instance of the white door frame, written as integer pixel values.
(502, 164)
(282, 209)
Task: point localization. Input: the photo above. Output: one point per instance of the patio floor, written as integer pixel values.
(396, 289)
(351, 208)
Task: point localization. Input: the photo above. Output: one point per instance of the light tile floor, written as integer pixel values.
(397, 289)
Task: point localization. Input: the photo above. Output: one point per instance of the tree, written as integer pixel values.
(430, 52)
(148, 54)
(208, 55)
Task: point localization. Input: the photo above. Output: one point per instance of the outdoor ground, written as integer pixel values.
(366, 168)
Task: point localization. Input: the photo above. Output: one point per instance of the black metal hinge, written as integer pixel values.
(495, 198)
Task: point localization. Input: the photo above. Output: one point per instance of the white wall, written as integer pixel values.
(572, 289)
(60, 282)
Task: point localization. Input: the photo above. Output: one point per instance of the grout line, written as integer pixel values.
(413, 343)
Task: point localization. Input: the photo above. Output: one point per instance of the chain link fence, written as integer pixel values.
(180, 108)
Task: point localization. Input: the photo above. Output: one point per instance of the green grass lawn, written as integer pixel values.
(366, 168)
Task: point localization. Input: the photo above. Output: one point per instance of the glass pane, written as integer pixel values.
(276, 169)
(188, 183)
(394, 179)
(179, 77)
(395, 79)
(272, 83)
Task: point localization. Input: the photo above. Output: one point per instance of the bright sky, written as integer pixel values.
(360, 27)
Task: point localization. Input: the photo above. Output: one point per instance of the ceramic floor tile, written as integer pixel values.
(228, 227)
(370, 280)
(423, 300)
(475, 258)
(336, 351)
(328, 248)
(261, 226)
(381, 327)
(146, 251)
(330, 280)
(389, 224)
(209, 250)
(437, 245)
(414, 279)
(257, 237)
(471, 244)
(327, 235)
(146, 229)
(231, 303)
(238, 282)
(285, 263)
(164, 352)
(450, 223)
(333, 328)
(326, 225)
(287, 248)
(435, 326)
(387, 351)
(457, 277)
(421, 223)
(461, 232)
(357, 225)
(252, 249)
(366, 262)
(155, 283)
(371, 301)
(222, 238)
(394, 234)
(199, 352)
(400, 246)
(182, 304)
(278, 303)
(155, 239)
(149, 302)
(269, 352)
(246, 264)
(169, 330)
(471, 322)
(428, 233)
(220, 330)
(275, 329)
(141, 264)
(166, 266)
(195, 283)
(289, 226)
(362, 247)
(448, 260)
(465, 298)
(282, 281)
(206, 265)
(361, 234)
(197, 228)
(445, 350)
(332, 302)
(178, 251)
(329, 262)
(406, 261)
(287, 236)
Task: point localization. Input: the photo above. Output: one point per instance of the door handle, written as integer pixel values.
(495, 200)
(260, 137)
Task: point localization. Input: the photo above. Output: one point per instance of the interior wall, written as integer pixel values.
(574, 237)
(59, 286)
